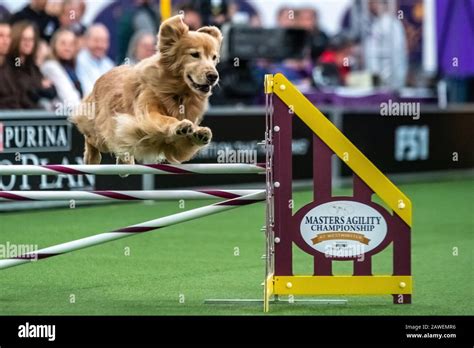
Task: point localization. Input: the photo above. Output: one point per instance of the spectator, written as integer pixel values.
(92, 61)
(298, 70)
(4, 14)
(70, 17)
(241, 12)
(307, 18)
(54, 7)
(9, 98)
(385, 48)
(42, 53)
(333, 64)
(38, 91)
(192, 17)
(142, 18)
(218, 12)
(354, 19)
(35, 12)
(212, 12)
(142, 45)
(61, 67)
(286, 17)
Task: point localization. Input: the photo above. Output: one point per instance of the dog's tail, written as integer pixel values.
(82, 115)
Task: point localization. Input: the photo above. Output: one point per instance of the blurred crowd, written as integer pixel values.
(48, 56)
(375, 55)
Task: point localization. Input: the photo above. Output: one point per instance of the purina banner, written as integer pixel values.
(35, 136)
(48, 140)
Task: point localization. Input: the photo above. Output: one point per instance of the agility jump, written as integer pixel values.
(309, 228)
(329, 228)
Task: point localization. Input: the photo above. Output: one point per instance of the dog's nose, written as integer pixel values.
(212, 77)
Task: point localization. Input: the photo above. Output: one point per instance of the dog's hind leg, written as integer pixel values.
(91, 154)
(131, 130)
(178, 152)
(125, 158)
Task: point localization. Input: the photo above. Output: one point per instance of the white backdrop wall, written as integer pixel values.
(331, 11)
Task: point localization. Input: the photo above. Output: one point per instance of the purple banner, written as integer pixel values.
(455, 37)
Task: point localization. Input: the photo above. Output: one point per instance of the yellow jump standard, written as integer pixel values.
(329, 228)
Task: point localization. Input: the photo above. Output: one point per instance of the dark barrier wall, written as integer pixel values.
(437, 141)
(434, 142)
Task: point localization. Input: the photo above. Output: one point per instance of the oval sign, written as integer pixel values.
(343, 229)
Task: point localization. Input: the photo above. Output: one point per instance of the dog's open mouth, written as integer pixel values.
(202, 88)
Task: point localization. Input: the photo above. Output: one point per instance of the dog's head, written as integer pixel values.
(190, 55)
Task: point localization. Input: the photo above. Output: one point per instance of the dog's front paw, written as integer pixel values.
(202, 136)
(184, 127)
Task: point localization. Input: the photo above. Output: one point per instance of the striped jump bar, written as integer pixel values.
(136, 169)
(122, 195)
(128, 231)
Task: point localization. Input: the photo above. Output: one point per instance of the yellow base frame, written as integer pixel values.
(342, 285)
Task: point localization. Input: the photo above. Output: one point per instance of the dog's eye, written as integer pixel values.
(195, 55)
(214, 57)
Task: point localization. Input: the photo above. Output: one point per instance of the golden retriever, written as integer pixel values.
(151, 112)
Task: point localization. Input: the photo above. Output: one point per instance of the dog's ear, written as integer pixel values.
(171, 31)
(213, 31)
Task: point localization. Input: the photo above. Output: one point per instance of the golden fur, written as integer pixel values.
(152, 111)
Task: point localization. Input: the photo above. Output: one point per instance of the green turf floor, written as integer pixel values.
(172, 271)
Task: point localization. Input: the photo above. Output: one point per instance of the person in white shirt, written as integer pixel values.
(60, 68)
(92, 61)
(386, 48)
